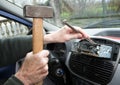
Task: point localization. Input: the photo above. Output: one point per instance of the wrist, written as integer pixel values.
(50, 38)
(22, 78)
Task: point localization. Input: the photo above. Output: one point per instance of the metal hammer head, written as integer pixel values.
(33, 11)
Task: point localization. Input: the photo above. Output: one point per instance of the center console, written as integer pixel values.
(94, 63)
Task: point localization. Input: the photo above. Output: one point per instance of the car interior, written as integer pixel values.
(75, 62)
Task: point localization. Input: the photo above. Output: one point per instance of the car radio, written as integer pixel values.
(95, 50)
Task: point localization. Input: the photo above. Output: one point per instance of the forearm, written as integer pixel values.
(51, 38)
(14, 49)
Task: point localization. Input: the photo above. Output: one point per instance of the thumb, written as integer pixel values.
(43, 53)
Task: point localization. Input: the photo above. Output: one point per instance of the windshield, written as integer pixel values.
(83, 13)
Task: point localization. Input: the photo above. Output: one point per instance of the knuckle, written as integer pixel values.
(36, 57)
(28, 54)
(45, 69)
(44, 61)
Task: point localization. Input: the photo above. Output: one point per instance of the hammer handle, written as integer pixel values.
(37, 35)
(38, 38)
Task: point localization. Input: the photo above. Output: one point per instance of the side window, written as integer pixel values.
(10, 28)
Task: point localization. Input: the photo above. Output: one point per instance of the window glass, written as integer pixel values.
(103, 13)
(83, 13)
(10, 28)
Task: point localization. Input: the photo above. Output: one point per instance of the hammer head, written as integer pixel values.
(33, 11)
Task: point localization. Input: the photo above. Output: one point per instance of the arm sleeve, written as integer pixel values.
(13, 49)
(13, 81)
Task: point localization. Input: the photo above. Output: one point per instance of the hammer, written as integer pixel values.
(38, 13)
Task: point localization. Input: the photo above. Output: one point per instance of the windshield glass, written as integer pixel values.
(83, 13)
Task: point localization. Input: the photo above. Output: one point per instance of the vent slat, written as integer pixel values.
(93, 69)
(107, 68)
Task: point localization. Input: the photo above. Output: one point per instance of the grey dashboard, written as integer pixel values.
(97, 70)
(104, 32)
(106, 69)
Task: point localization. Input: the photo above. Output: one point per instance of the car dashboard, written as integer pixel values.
(95, 64)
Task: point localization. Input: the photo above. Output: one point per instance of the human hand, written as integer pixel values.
(66, 33)
(34, 68)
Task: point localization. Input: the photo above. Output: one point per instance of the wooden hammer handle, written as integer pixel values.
(37, 37)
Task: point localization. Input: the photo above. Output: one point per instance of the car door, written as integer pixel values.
(11, 25)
